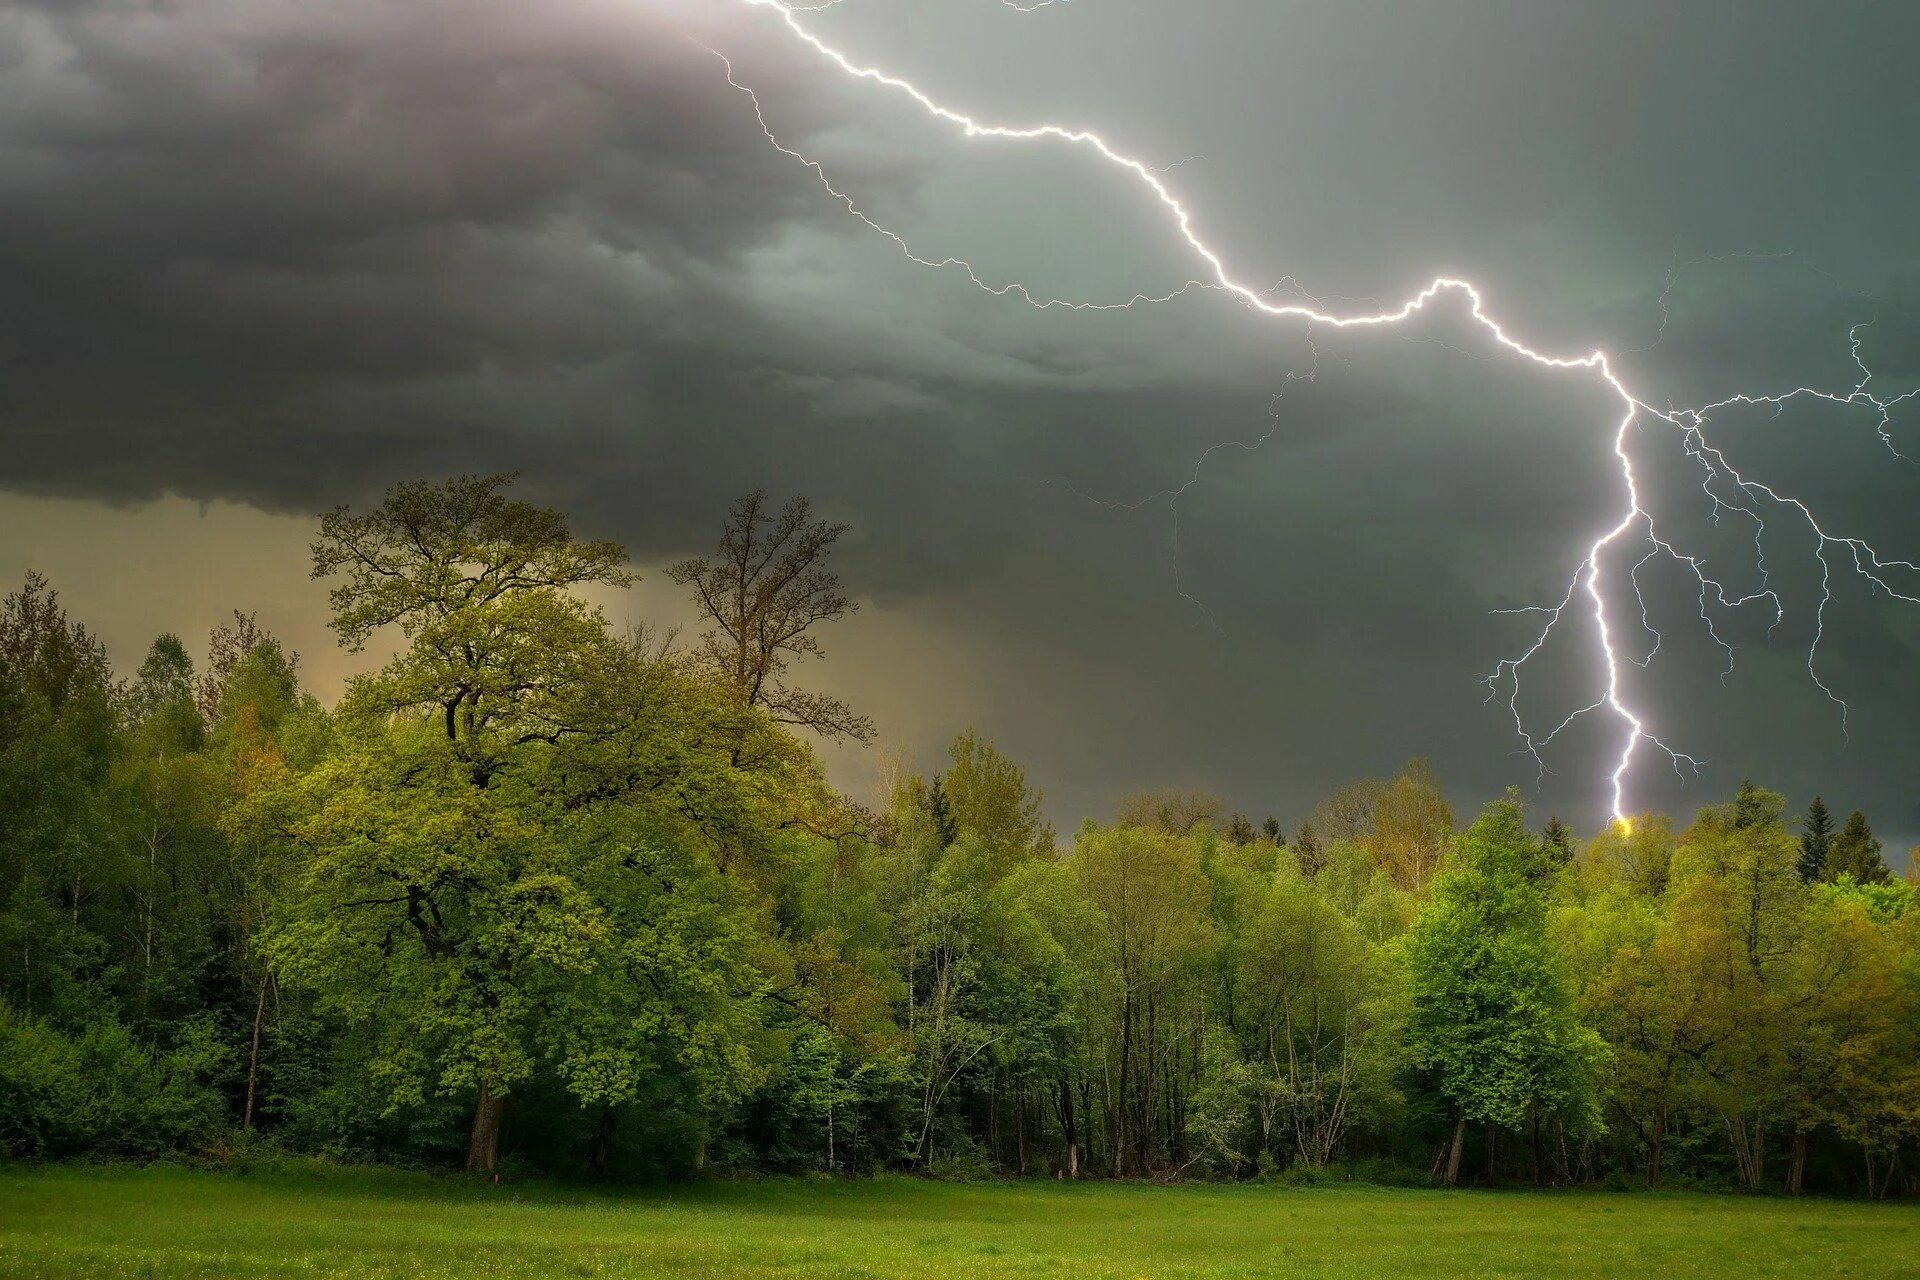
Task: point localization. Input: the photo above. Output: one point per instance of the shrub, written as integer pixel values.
(100, 1089)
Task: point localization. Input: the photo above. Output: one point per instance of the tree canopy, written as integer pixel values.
(539, 894)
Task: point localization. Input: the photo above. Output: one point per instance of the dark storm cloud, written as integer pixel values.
(287, 253)
(223, 224)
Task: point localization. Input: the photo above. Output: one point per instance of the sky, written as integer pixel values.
(262, 257)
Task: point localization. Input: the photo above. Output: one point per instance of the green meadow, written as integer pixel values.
(170, 1222)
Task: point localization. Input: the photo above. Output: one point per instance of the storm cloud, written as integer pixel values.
(283, 254)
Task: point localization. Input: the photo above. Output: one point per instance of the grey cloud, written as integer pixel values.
(287, 253)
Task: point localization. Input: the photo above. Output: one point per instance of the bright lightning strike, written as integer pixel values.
(1590, 585)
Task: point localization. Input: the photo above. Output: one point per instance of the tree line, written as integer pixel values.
(541, 894)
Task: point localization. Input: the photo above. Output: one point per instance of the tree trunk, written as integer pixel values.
(1656, 1144)
(600, 1144)
(1539, 1156)
(1749, 1150)
(253, 1057)
(1070, 1132)
(483, 1144)
(1453, 1152)
(1797, 1166)
(1120, 1136)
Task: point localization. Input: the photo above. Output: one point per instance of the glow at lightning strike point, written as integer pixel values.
(1588, 577)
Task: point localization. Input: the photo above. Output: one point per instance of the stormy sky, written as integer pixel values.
(258, 257)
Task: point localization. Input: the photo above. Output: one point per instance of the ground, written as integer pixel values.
(168, 1222)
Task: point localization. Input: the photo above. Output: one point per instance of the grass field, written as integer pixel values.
(170, 1222)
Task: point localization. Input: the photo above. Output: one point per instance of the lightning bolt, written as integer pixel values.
(1590, 585)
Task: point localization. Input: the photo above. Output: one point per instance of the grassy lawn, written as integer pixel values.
(170, 1222)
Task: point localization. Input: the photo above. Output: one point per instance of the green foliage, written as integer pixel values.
(1220, 1125)
(1816, 840)
(102, 1090)
(1490, 1017)
(1855, 853)
(1884, 901)
(564, 900)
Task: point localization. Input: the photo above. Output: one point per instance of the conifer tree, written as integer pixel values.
(1816, 838)
(1856, 853)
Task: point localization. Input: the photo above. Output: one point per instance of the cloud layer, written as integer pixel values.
(286, 253)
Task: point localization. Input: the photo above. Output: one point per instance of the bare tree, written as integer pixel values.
(1173, 810)
(1348, 814)
(765, 589)
(227, 647)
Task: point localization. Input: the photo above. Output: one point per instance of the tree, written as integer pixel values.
(765, 590)
(1491, 1021)
(1816, 839)
(264, 732)
(941, 812)
(1410, 826)
(58, 735)
(1348, 813)
(164, 688)
(1855, 852)
(1316, 1008)
(1307, 851)
(1753, 807)
(1637, 854)
(1153, 899)
(1270, 828)
(1736, 896)
(475, 880)
(1662, 1009)
(1841, 1008)
(989, 797)
(1240, 830)
(1174, 810)
(490, 935)
(161, 802)
(1558, 840)
(228, 645)
(480, 587)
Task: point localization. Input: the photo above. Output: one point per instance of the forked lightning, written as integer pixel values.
(1592, 588)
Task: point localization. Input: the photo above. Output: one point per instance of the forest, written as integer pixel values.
(540, 897)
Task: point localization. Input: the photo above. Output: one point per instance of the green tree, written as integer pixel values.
(1816, 840)
(1153, 902)
(59, 733)
(1739, 903)
(1409, 826)
(1491, 1020)
(1558, 840)
(1856, 853)
(1637, 854)
(941, 812)
(1316, 1008)
(480, 587)
(506, 883)
(1753, 807)
(1663, 1008)
(1306, 849)
(989, 798)
(163, 801)
(265, 732)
